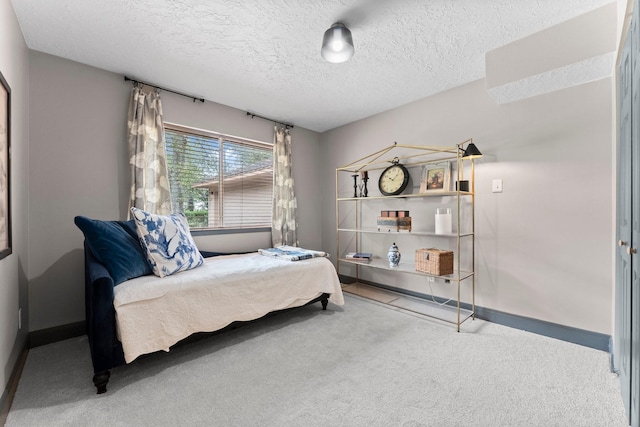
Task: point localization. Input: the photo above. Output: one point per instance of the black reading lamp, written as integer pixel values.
(471, 152)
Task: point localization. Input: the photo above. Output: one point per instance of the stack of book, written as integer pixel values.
(394, 221)
(359, 256)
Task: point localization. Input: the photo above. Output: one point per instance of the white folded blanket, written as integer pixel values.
(154, 313)
(292, 253)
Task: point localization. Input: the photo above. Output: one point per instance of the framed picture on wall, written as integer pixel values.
(435, 177)
(5, 168)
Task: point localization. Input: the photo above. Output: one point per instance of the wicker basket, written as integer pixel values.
(434, 261)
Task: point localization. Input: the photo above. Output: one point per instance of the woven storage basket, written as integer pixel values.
(434, 261)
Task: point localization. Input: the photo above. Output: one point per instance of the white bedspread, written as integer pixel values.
(154, 313)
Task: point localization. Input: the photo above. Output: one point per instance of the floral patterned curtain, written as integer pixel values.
(147, 156)
(284, 224)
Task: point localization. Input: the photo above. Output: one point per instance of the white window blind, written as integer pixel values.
(219, 181)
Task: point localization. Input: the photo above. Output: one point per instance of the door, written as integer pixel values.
(627, 336)
(631, 258)
(622, 353)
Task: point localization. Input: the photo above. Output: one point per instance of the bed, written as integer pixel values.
(132, 314)
(153, 314)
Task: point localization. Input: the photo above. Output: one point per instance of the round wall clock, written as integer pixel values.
(393, 179)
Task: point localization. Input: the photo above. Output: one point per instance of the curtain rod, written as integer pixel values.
(286, 125)
(128, 79)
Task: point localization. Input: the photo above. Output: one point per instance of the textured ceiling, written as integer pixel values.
(264, 56)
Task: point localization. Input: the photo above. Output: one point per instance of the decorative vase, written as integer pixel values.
(394, 256)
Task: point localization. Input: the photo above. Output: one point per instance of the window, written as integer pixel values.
(219, 181)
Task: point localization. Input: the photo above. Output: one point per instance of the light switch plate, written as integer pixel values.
(496, 186)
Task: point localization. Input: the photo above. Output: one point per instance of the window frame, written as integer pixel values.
(222, 138)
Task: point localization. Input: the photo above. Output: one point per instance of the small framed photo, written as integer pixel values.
(436, 177)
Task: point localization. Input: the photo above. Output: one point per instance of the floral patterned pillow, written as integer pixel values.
(167, 241)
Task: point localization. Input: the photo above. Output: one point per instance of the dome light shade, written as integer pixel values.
(337, 44)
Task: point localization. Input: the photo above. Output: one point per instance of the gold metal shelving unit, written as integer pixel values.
(413, 156)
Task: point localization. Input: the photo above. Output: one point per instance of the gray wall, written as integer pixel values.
(78, 166)
(14, 65)
(543, 245)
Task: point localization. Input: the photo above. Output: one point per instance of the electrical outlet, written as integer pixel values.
(496, 186)
(19, 318)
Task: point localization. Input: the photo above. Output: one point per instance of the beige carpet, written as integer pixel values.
(364, 364)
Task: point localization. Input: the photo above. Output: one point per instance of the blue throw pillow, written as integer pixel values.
(115, 244)
(167, 241)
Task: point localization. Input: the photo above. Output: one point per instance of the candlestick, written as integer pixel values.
(365, 178)
(355, 185)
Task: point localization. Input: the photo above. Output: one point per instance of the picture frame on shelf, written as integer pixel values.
(435, 177)
(5, 168)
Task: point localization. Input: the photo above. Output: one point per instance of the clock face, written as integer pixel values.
(393, 180)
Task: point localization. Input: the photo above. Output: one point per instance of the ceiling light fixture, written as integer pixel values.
(337, 44)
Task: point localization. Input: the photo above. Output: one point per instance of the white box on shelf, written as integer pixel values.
(443, 221)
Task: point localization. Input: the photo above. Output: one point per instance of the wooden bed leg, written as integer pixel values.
(324, 303)
(100, 379)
